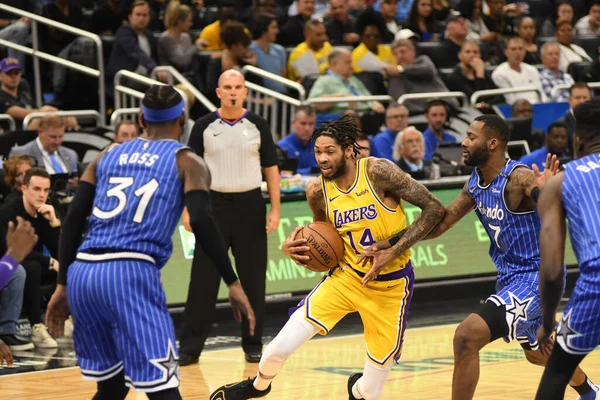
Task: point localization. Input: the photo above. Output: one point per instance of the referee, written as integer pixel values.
(235, 143)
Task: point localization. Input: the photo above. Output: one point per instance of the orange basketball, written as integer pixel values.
(326, 246)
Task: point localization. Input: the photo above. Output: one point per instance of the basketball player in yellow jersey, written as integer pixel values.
(362, 199)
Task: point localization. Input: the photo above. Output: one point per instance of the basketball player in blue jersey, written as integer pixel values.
(134, 194)
(574, 195)
(503, 194)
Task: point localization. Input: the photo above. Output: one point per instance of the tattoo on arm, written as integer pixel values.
(391, 180)
(460, 207)
(316, 200)
(524, 179)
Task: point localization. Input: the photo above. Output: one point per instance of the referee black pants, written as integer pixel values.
(241, 218)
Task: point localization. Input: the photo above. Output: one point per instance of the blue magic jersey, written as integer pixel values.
(514, 243)
(581, 199)
(138, 202)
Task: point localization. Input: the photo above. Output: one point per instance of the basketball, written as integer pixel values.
(326, 246)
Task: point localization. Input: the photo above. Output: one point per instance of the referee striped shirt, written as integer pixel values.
(234, 151)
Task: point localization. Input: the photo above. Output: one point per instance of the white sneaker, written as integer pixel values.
(67, 338)
(41, 338)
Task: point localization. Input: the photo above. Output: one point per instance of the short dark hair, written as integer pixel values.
(587, 117)
(496, 126)
(161, 97)
(137, 3)
(41, 172)
(123, 123)
(312, 23)
(370, 17)
(517, 103)
(436, 103)
(579, 85)
(234, 32)
(261, 23)
(556, 125)
(308, 110)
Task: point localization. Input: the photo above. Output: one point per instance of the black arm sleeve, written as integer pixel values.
(207, 233)
(196, 141)
(73, 226)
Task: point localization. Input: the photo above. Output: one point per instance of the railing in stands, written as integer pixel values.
(271, 105)
(12, 125)
(71, 113)
(37, 54)
(493, 92)
(120, 114)
(127, 97)
(518, 143)
(349, 99)
(431, 95)
(276, 78)
(174, 74)
(561, 87)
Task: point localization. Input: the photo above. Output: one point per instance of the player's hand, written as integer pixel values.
(48, 213)
(241, 305)
(273, 220)
(380, 260)
(295, 248)
(185, 220)
(552, 168)
(20, 239)
(545, 340)
(57, 311)
(5, 355)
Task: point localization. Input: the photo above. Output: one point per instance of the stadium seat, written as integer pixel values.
(373, 81)
(589, 43)
(578, 70)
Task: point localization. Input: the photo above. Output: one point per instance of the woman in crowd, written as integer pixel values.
(526, 30)
(175, 46)
(16, 167)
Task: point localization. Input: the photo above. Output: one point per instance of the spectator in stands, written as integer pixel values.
(417, 75)
(293, 32)
(562, 11)
(340, 25)
(339, 82)
(364, 144)
(201, 16)
(47, 150)
(108, 17)
(15, 30)
(210, 37)
(15, 96)
(371, 28)
(456, 34)
(514, 73)
(578, 93)
(569, 52)
(396, 119)
(355, 117)
(497, 20)
(269, 56)
(321, 7)
(135, 47)
(437, 116)
(16, 167)
(408, 153)
(315, 43)
(590, 24)
(125, 131)
(551, 75)
(472, 11)
(403, 8)
(526, 31)
(389, 11)
(54, 40)
(469, 75)
(556, 143)
(175, 46)
(523, 109)
(33, 208)
(421, 21)
(298, 143)
(11, 298)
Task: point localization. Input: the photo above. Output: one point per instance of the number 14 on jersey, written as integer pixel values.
(366, 240)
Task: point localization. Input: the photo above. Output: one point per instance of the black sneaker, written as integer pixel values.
(351, 381)
(17, 343)
(187, 359)
(253, 357)
(239, 391)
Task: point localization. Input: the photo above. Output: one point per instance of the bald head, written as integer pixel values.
(232, 90)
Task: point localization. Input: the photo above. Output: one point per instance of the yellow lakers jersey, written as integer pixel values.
(362, 218)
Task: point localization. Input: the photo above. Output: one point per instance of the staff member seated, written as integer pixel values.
(556, 143)
(298, 143)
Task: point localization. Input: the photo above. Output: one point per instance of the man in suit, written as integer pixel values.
(578, 93)
(46, 150)
(409, 151)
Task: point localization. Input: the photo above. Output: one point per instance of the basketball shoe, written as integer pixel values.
(351, 381)
(239, 391)
(592, 395)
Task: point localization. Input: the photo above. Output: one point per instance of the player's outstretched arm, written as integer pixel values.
(531, 182)
(70, 238)
(195, 175)
(389, 179)
(293, 247)
(460, 207)
(552, 252)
